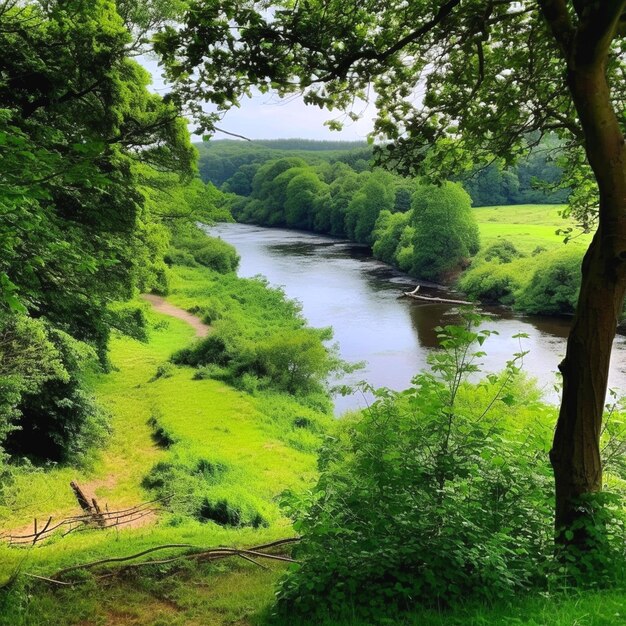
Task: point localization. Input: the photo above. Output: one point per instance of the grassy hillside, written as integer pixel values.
(523, 260)
(260, 454)
(208, 425)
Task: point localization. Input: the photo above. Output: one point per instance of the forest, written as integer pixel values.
(169, 452)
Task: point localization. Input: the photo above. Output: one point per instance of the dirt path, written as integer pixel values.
(161, 305)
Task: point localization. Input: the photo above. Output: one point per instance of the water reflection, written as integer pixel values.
(339, 284)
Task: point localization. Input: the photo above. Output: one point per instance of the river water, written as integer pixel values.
(340, 285)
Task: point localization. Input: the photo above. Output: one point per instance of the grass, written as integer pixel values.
(206, 419)
(253, 438)
(528, 226)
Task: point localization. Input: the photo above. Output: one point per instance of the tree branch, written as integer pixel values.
(342, 68)
(556, 14)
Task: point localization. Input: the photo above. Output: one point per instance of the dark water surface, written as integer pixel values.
(340, 285)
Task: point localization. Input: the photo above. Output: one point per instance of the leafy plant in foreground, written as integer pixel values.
(426, 498)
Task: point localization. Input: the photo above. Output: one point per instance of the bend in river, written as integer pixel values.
(339, 284)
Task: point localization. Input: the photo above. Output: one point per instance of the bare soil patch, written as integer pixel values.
(161, 305)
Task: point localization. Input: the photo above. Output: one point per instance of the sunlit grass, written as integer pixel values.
(528, 226)
(207, 420)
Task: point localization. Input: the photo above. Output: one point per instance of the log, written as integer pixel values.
(83, 501)
(413, 294)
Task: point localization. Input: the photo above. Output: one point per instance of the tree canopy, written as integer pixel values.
(82, 140)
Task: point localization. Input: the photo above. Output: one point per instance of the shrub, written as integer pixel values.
(490, 282)
(209, 350)
(553, 289)
(164, 370)
(218, 255)
(422, 499)
(387, 234)
(503, 251)
(294, 361)
(59, 420)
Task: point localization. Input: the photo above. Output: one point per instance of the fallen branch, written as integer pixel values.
(413, 294)
(85, 521)
(121, 559)
(49, 580)
(199, 554)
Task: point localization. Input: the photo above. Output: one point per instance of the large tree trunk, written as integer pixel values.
(575, 453)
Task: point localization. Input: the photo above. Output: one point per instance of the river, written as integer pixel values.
(340, 285)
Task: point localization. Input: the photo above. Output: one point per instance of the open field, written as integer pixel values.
(529, 226)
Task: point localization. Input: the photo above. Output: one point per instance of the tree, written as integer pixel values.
(446, 233)
(492, 71)
(77, 126)
(377, 194)
(302, 195)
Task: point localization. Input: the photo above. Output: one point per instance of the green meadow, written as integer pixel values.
(165, 422)
(529, 226)
(208, 424)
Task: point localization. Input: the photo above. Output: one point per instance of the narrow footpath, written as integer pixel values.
(161, 305)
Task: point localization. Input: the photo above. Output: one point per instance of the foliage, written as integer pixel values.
(387, 233)
(427, 497)
(301, 199)
(503, 251)
(28, 358)
(491, 282)
(554, 286)
(293, 361)
(446, 233)
(59, 420)
(231, 165)
(535, 179)
(78, 127)
(375, 195)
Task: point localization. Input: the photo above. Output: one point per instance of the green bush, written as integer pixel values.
(387, 235)
(58, 420)
(217, 255)
(295, 361)
(491, 282)
(211, 350)
(503, 251)
(554, 287)
(425, 499)
(446, 232)
(191, 246)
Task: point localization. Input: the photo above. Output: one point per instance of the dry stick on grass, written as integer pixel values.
(200, 554)
(49, 580)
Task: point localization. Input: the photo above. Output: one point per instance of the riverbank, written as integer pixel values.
(339, 283)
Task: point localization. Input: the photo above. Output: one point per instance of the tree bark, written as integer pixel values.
(575, 454)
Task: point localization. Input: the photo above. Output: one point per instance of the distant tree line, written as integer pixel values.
(426, 230)
(231, 166)
(407, 223)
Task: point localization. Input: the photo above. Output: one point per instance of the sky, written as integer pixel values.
(265, 116)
